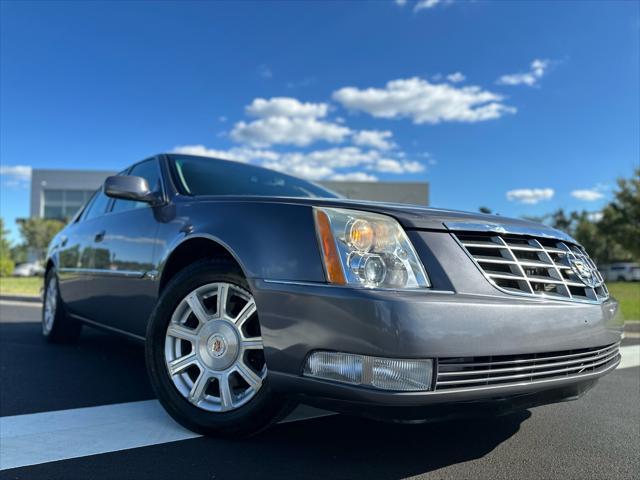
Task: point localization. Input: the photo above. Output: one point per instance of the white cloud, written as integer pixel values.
(354, 177)
(374, 138)
(425, 4)
(587, 195)
(456, 77)
(391, 165)
(530, 78)
(288, 131)
(16, 172)
(401, 3)
(287, 121)
(285, 107)
(530, 196)
(425, 102)
(413, 166)
(315, 165)
(595, 216)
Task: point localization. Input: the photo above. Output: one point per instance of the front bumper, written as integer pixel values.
(297, 319)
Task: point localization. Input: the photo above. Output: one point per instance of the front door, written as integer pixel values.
(76, 259)
(124, 285)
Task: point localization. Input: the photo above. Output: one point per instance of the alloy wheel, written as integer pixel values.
(213, 347)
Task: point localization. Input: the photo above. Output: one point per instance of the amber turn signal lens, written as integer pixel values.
(330, 255)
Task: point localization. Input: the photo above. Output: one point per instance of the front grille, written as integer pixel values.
(477, 372)
(535, 266)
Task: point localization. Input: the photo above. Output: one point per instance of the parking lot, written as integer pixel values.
(87, 411)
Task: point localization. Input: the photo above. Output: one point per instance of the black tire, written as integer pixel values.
(63, 329)
(264, 409)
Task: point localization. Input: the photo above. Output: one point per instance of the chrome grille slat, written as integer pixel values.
(470, 373)
(533, 266)
(615, 346)
(486, 245)
(453, 374)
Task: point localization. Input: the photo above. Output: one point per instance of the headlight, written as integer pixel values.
(367, 249)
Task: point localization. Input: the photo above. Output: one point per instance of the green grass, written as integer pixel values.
(628, 294)
(20, 286)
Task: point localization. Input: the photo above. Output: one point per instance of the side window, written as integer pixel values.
(97, 206)
(150, 171)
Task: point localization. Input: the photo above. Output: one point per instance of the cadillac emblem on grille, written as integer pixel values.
(581, 267)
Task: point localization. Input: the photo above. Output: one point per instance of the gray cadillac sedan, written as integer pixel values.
(254, 291)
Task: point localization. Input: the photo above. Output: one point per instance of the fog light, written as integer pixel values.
(341, 367)
(401, 374)
(397, 374)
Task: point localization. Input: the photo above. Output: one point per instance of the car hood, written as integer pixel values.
(416, 217)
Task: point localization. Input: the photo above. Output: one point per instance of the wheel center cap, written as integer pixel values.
(217, 345)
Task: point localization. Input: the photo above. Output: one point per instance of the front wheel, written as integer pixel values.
(205, 355)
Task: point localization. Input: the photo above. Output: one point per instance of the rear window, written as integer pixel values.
(208, 176)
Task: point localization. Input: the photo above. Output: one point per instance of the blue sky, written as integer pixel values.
(523, 107)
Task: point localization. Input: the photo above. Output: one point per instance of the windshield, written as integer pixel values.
(208, 176)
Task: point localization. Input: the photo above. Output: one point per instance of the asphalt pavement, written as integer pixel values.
(88, 411)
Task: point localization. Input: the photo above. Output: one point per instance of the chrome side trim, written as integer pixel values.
(107, 327)
(356, 287)
(510, 229)
(104, 271)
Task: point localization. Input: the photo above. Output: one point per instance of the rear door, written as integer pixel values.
(123, 285)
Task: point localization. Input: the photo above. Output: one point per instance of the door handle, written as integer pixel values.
(99, 236)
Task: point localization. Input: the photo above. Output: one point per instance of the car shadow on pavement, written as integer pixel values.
(37, 377)
(348, 447)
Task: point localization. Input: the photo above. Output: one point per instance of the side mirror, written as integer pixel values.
(129, 188)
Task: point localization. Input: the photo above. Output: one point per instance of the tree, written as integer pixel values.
(6, 264)
(38, 232)
(561, 221)
(19, 253)
(621, 218)
(587, 233)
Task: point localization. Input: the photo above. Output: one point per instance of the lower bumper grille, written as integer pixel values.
(477, 372)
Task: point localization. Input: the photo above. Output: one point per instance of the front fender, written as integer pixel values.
(273, 241)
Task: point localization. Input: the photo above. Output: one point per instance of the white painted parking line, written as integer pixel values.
(630, 356)
(50, 436)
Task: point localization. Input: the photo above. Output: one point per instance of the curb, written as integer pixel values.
(632, 326)
(21, 298)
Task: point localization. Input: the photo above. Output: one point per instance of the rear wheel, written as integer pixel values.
(205, 355)
(57, 326)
